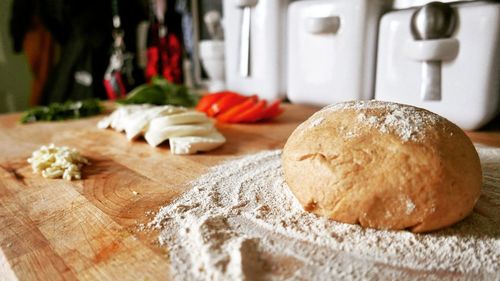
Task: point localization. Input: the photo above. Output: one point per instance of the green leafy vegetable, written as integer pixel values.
(63, 111)
(161, 92)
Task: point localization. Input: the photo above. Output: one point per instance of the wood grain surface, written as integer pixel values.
(89, 229)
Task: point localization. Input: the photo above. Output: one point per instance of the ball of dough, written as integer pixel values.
(383, 165)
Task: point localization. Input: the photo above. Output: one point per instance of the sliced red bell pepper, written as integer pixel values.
(237, 109)
(226, 102)
(252, 114)
(207, 100)
(272, 110)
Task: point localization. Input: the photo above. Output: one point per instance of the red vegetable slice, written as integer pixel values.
(252, 114)
(237, 109)
(225, 103)
(207, 100)
(272, 110)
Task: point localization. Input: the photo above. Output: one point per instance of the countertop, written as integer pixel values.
(90, 229)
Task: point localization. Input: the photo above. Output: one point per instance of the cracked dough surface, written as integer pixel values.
(345, 168)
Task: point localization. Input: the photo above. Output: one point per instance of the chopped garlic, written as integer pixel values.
(57, 162)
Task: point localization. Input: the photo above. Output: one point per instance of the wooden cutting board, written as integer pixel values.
(91, 229)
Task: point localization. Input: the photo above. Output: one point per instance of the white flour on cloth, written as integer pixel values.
(240, 222)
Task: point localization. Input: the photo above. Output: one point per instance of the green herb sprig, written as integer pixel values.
(161, 92)
(63, 111)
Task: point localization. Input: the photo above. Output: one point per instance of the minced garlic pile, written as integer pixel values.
(57, 162)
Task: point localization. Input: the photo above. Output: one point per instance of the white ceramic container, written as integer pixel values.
(470, 64)
(331, 50)
(266, 47)
(212, 60)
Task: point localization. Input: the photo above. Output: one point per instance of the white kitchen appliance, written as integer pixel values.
(469, 64)
(331, 50)
(255, 46)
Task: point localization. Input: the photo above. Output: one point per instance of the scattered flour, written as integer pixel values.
(240, 222)
(410, 206)
(316, 122)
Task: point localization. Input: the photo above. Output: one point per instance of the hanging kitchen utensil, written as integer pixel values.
(118, 75)
(164, 46)
(184, 8)
(435, 20)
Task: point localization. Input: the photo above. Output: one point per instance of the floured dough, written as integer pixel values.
(383, 165)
